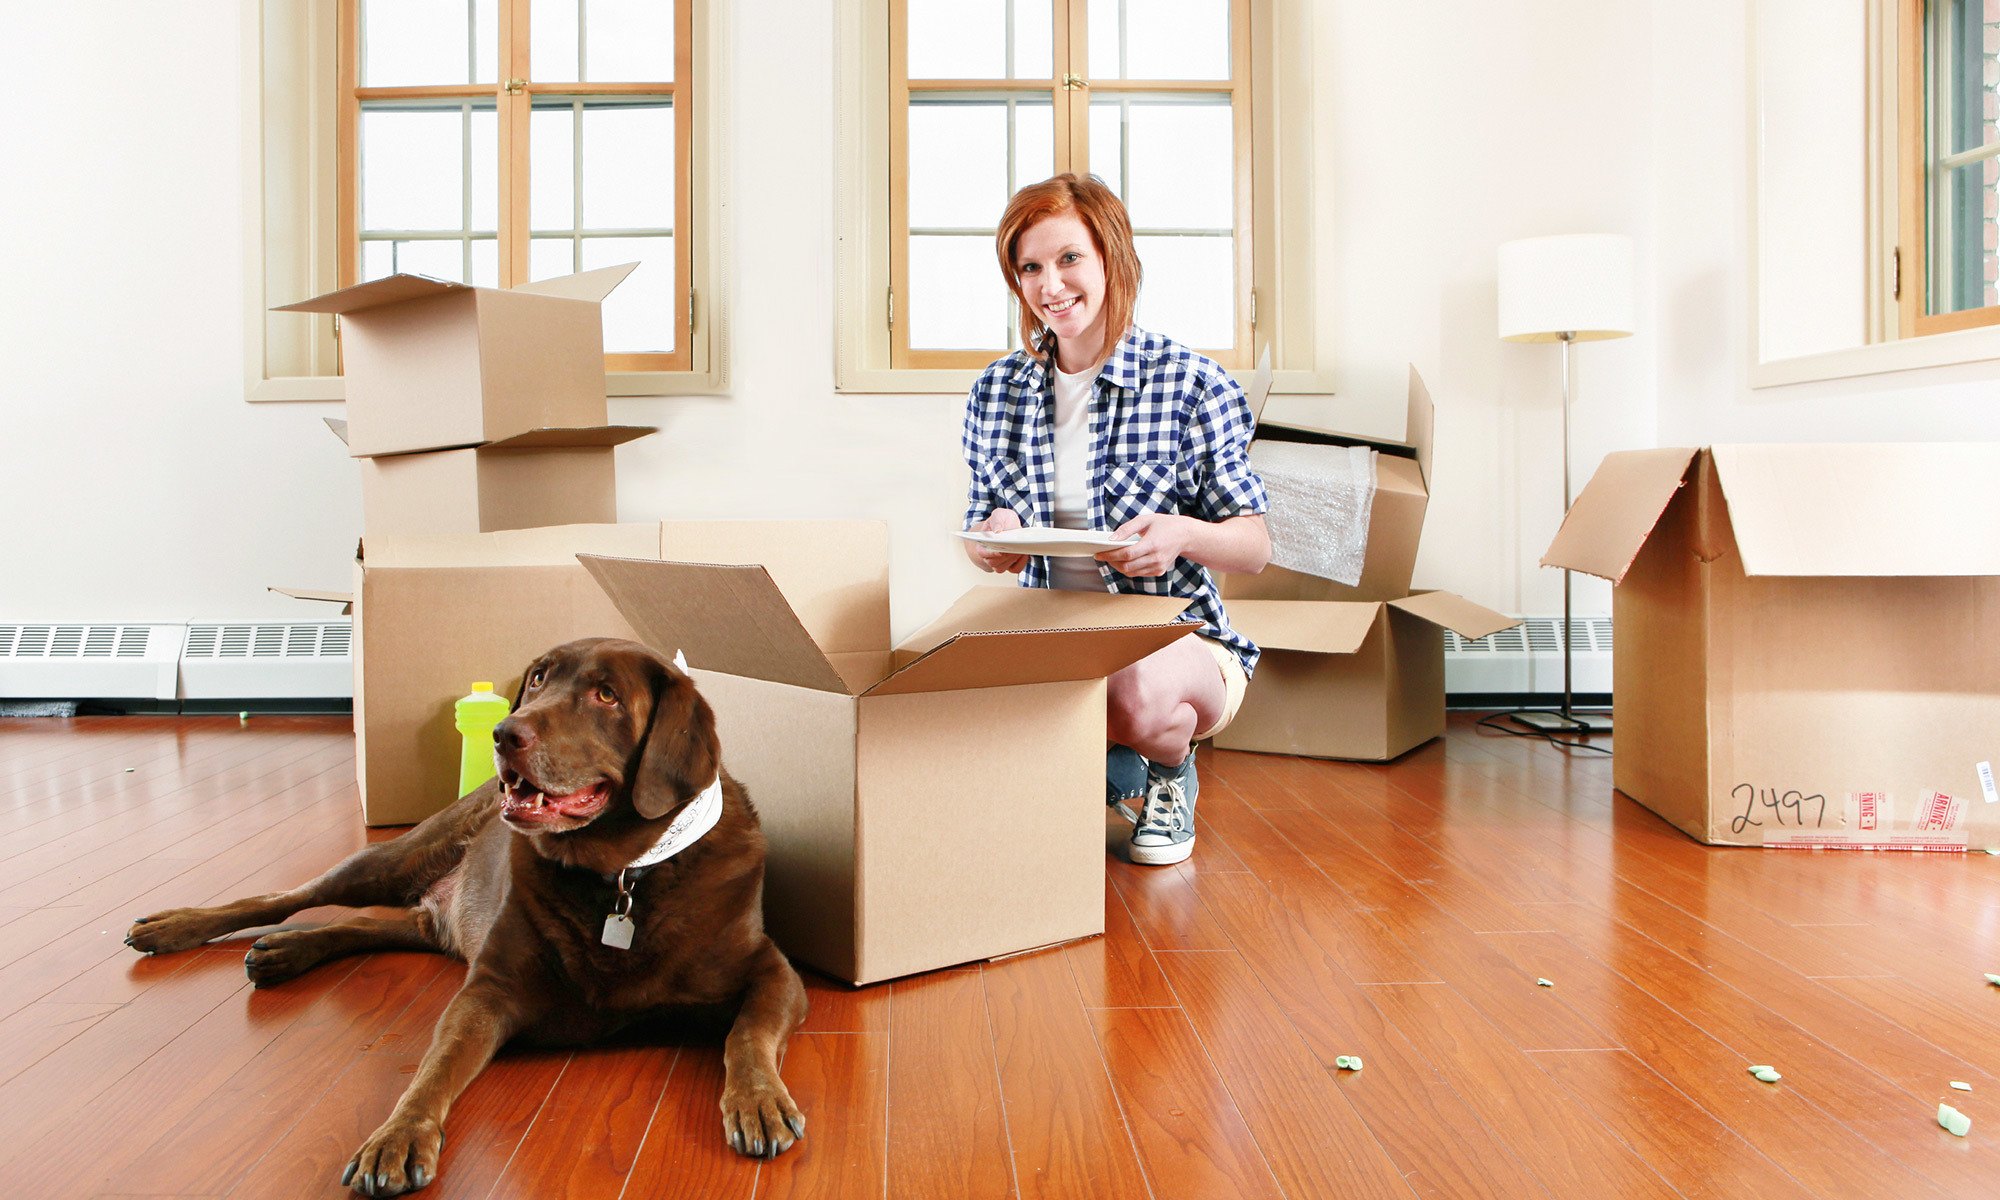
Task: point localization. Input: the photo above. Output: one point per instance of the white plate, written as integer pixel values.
(1063, 543)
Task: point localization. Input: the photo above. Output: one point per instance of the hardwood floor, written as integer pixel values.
(1401, 913)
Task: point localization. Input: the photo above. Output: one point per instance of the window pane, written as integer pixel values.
(958, 39)
(640, 315)
(378, 261)
(958, 159)
(408, 42)
(1183, 171)
(629, 41)
(628, 167)
(485, 171)
(551, 257)
(1189, 292)
(552, 168)
(1107, 143)
(1965, 238)
(552, 48)
(439, 259)
(486, 262)
(1034, 40)
(412, 174)
(1034, 145)
(957, 299)
(1160, 39)
(486, 40)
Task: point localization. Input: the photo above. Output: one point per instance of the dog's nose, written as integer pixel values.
(513, 735)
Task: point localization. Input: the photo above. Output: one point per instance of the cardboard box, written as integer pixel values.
(1395, 525)
(539, 478)
(432, 365)
(1349, 679)
(938, 803)
(1808, 647)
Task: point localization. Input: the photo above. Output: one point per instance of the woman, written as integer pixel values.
(1098, 424)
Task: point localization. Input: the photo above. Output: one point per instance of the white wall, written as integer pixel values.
(146, 487)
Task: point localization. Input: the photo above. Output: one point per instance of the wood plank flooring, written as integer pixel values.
(1401, 913)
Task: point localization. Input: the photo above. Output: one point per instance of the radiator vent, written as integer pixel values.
(268, 660)
(111, 661)
(330, 640)
(1528, 658)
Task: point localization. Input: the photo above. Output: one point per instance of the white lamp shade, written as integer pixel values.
(1578, 284)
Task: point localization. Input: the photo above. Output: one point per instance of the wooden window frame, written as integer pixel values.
(514, 94)
(1070, 90)
(1916, 40)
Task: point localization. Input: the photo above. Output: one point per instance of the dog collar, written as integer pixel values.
(696, 819)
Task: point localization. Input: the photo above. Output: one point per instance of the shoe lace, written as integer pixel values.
(1166, 808)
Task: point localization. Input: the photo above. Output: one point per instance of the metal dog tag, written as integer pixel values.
(617, 931)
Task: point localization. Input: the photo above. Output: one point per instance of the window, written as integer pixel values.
(1948, 253)
(990, 95)
(492, 142)
(1184, 107)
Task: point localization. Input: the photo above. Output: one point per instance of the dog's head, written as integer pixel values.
(598, 724)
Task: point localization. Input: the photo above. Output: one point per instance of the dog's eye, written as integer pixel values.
(606, 696)
(535, 677)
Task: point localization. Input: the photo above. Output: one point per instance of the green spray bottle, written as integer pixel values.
(477, 715)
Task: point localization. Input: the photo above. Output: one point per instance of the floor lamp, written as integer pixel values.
(1569, 289)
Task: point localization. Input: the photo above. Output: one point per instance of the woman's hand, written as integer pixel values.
(999, 520)
(1163, 539)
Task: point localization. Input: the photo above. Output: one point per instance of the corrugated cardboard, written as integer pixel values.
(432, 365)
(541, 477)
(436, 612)
(1396, 524)
(1349, 679)
(933, 804)
(1808, 647)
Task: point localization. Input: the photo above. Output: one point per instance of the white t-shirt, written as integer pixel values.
(1072, 477)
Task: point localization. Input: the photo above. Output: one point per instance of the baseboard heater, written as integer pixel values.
(205, 661)
(1527, 660)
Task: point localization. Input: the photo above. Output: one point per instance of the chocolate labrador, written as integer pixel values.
(612, 872)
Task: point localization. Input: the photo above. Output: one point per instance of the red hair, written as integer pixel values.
(1103, 214)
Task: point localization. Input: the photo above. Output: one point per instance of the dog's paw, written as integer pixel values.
(174, 929)
(759, 1120)
(276, 957)
(402, 1156)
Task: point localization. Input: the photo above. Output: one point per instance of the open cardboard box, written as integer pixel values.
(432, 365)
(1353, 672)
(1359, 679)
(542, 477)
(1808, 649)
(936, 803)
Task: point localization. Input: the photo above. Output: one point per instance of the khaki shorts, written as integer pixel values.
(1234, 683)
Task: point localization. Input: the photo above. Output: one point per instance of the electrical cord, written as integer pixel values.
(1487, 722)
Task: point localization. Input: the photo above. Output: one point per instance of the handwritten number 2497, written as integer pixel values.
(1790, 806)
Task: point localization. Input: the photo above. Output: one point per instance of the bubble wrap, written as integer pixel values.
(1321, 498)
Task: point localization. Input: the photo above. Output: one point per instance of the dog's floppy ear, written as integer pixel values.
(681, 755)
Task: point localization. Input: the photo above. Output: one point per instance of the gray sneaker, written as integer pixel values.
(1165, 831)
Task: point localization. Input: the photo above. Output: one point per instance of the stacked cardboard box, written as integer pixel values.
(1353, 671)
(476, 409)
(1808, 648)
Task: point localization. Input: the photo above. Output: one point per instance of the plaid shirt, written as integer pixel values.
(1169, 432)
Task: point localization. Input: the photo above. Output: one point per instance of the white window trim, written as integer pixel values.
(1292, 288)
(282, 264)
(1885, 353)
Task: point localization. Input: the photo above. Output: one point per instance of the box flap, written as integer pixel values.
(1258, 390)
(1456, 613)
(1012, 608)
(731, 619)
(1864, 510)
(1004, 658)
(1617, 511)
(1420, 422)
(344, 599)
(392, 289)
(339, 428)
(594, 435)
(594, 284)
(1316, 626)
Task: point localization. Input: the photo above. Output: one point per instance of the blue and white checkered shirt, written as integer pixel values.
(1169, 432)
